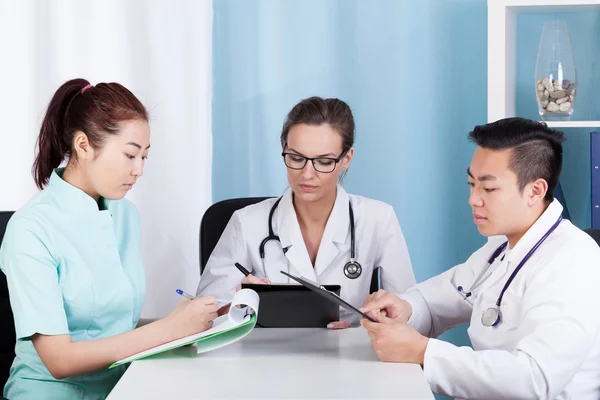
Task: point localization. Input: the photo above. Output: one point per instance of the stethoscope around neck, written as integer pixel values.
(491, 316)
(352, 269)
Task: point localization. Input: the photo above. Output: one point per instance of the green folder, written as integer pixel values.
(226, 329)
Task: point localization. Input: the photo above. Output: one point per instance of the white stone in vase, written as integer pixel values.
(565, 106)
(552, 107)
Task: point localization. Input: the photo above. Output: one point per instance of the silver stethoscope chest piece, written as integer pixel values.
(352, 269)
(490, 317)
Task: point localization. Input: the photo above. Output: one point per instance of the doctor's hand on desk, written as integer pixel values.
(339, 325)
(396, 341)
(392, 338)
(192, 316)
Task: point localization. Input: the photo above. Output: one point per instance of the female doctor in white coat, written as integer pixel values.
(314, 220)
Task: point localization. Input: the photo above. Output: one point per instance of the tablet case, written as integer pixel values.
(324, 292)
(294, 306)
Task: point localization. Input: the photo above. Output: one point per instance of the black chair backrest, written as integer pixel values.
(595, 233)
(215, 220)
(7, 323)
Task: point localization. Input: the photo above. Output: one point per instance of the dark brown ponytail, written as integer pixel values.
(78, 106)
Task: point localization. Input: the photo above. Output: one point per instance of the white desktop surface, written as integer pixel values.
(276, 364)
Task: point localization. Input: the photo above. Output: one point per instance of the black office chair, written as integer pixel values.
(595, 233)
(215, 220)
(7, 323)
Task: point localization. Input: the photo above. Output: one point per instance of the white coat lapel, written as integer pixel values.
(291, 238)
(337, 232)
(503, 270)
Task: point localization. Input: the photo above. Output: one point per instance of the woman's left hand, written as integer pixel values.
(339, 325)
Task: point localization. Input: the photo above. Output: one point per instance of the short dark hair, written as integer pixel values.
(536, 149)
(319, 111)
(79, 106)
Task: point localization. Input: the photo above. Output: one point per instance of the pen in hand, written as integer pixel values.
(184, 294)
(250, 278)
(242, 269)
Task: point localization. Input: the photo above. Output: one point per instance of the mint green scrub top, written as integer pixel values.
(73, 267)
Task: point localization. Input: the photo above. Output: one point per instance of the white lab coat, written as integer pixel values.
(379, 242)
(546, 345)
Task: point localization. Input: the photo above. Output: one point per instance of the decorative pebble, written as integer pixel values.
(552, 107)
(564, 107)
(554, 96)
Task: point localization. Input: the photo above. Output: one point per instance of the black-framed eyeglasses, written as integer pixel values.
(320, 164)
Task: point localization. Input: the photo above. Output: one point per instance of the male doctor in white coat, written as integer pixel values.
(534, 311)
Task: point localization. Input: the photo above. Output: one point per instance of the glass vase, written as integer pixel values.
(555, 73)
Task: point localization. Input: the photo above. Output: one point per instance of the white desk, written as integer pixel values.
(276, 364)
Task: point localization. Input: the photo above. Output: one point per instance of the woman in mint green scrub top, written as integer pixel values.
(72, 254)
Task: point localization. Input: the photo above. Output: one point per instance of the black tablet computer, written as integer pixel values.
(294, 306)
(327, 294)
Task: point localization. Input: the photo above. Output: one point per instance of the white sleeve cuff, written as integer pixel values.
(420, 319)
(428, 367)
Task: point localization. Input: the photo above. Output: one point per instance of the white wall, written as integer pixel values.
(160, 50)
